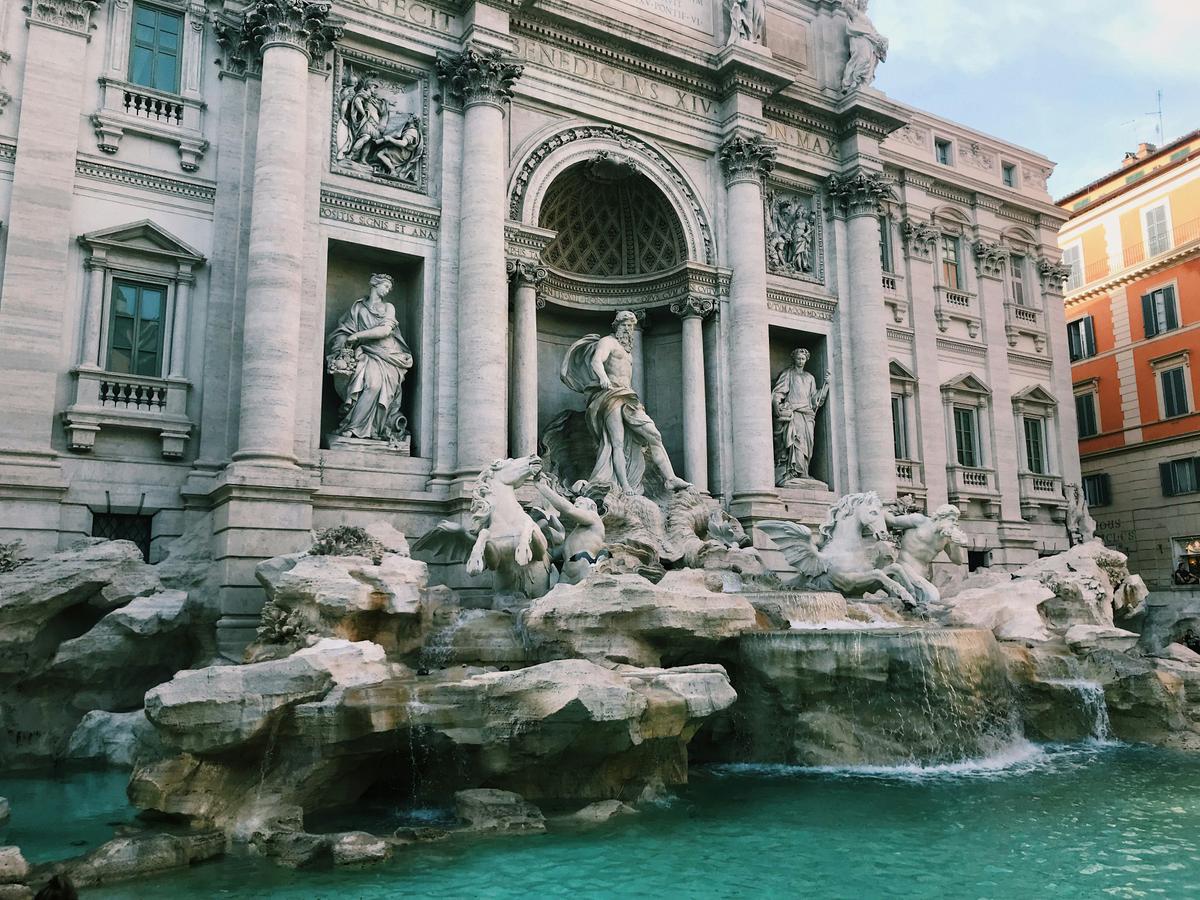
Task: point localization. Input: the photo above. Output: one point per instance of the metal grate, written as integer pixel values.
(124, 527)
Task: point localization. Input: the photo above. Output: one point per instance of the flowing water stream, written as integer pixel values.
(1071, 822)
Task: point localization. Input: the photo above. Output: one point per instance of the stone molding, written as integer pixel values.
(747, 158)
(305, 25)
(687, 281)
(204, 192)
(861, 193)
(476, 76)
(919, 238)
(693, 306)
(802, 305)
(952, 346)
(990, 258)
(371, 213)
(74, 16)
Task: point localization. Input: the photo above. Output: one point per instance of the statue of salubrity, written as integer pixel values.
(747, 20)
(368, 359)
(868, 48)
(795, 402)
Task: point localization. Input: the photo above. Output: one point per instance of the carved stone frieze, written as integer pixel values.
(70, 15)
(380, 121)
(990, 258)
(1037, 177)
(913, 135)
(745, 158)
(861, 193)
(974, 155)
(1054, 275)
(693, 305)
(919, 238)
(306, 25)
(793, 233)
(475, 76)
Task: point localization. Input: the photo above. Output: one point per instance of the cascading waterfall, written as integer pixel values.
(439, 648)
(1092, 704)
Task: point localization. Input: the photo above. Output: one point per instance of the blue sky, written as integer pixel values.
(1073, 79)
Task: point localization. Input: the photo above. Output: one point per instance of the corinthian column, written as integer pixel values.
(287, 34)
(858, 197)
(695, 405)
(481, 82)
(526, 277)
(746, 161)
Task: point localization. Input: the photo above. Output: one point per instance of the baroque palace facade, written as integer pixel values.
(1133, 324)
(197, 193)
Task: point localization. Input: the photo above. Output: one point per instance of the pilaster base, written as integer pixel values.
(31, 493)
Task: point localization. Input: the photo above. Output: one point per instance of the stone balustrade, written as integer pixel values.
(115, 400)
(133, 109)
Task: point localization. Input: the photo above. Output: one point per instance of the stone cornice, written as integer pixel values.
(1174, 257)
(747, 158)
(475, 76)
(306, 25)
(861, 192)
(409, 221)
(204, 192)
(807, 306)
(74, 16)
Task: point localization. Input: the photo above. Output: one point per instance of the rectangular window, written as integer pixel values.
(135, 328)
(1174, 391)
(885, 243)
(1016, 276)
(951, 268)
(1158, 311)
(944, 150)
(1179, 476)
(154, 53)
(1035, 445)
(966, 437)
(123, 527)
(1158, 233)
(1085, 415)
(1097, 490)
(1008, 172)
(1073, 259)
(899, 427)
(1081, 338)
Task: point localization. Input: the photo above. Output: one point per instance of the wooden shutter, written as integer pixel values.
(1088, 337)
(1171, 313)
(1075, 339)
(1167, 478)
(1148, 318)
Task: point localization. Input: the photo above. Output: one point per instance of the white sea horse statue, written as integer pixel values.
(503, 538)
(843, 557)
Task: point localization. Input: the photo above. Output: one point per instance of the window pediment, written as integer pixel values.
(144, 238)
(1034, 397)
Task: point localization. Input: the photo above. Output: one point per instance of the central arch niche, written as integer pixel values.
(618, 244)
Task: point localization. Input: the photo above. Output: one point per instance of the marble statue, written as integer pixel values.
(583, 545)
(368, 359)
(795, 401)
(1081, 527)
(868, 48)
(922, 538)
(370, 134)
(747, 19)
(843, 555)
(601, 368)
(503, 538)
(790, 232)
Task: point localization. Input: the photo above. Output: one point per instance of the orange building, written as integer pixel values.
(1133, 324)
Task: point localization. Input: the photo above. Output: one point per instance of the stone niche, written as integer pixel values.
(348, 278)
(783, 342)
(657, 374)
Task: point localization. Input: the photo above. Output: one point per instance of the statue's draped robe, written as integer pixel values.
(579, 375)
(371, 407)
(794, 432)
(867, 48)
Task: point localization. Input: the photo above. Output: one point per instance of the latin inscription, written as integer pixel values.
(696, 13)
(395, 226)
(409, 11)
(802, 140)
(535, 53)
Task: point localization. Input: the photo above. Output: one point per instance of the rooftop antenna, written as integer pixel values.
(1159, 112)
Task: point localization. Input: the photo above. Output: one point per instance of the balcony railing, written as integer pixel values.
(1138, 254)
(910, 473)
(967, 483)
(113, 401)
(1041, 492)
(130, 108)
(133, 393)
(149, 106)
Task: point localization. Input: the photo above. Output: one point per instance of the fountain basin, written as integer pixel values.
(872, 696)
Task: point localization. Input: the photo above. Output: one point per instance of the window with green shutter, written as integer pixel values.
(135, 332)
(1174, 391)
(1180, 476)
(1081, 338)
(1085, 415)
(1097, 489)
(1035, 444)
(1159, 312)
(154, 53)
(966, 437)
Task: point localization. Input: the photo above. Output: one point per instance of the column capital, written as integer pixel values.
(238, 57)
(919, 238)
(861, 192)
(693, 306)
(478, 76)
(67, 15)
(306, 25)
(747, 158)
(527, 272)
(990, 257)
(1054, 275)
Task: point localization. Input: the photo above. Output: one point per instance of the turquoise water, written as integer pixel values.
(1083, 822)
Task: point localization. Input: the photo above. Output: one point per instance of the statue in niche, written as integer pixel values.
(795, 402)
(368, 359)
(601, 368)
(921, 539)
(868, 48)
(372, 134)
(791, 231)
(747, 19)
